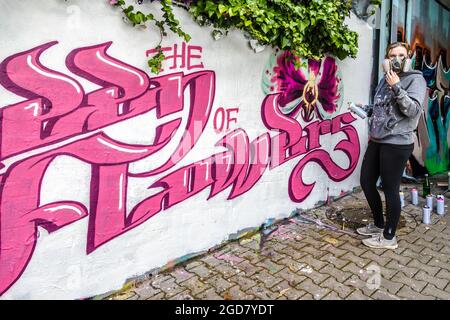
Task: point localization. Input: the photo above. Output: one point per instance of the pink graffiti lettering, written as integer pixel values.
(58, 117)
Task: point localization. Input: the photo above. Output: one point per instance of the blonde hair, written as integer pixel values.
(398, 44)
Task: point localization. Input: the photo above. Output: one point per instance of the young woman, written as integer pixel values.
(393, 117)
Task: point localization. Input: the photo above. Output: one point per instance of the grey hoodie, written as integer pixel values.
(395, 113)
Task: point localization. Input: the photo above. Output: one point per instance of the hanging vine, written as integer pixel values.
(307, 28)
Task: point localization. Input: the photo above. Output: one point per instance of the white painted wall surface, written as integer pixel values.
(60, 268)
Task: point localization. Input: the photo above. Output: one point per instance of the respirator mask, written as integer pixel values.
(397, 64)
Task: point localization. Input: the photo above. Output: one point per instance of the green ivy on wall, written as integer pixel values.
(307, 28)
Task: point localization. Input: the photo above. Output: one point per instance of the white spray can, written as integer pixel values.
(440, 205)
(426, 216)
(414, 196)
(402, 199)
(430, 201)
(359, 111)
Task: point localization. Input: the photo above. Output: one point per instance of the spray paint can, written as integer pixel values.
(440, 205)
(426, 216)
(402, 199)
(430, 201)
(414, 196)
(359, 111)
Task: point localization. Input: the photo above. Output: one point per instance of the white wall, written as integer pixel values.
(60, 267)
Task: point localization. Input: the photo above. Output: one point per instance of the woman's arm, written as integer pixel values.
(410, 100)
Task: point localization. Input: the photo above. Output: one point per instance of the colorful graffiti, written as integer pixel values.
(58, 117)
(433, 133)
(426, 26)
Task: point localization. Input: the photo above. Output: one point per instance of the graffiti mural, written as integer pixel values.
(59, 116)
(426, 26)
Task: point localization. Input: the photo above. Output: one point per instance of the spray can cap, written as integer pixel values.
(414, 189)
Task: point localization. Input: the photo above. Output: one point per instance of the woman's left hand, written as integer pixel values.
(392, 78)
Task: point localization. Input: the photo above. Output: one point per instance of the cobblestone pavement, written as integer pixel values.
(304, 261)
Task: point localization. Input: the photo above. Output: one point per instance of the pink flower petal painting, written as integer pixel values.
(314, 91)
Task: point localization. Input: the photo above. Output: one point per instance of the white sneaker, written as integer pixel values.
(369, 230)
(380, 242)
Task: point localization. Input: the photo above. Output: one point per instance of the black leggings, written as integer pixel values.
(387, 161)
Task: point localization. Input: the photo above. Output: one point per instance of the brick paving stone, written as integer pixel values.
(376, 257)
(301, 261)
(384, 295)
(337, 287)
(307, 296)
(340, 275)
(285, 289)
(202, 271)
(252, 256)
(438, 282)
(290, 276)
(355, 250)
(180, 274)
(159, 296)
(358, 295)
(261, 292)
(424, 267)
(244, 282)
(335, 251)
(268, 279)
(314, 252)
(438, 263)
(209, 294)
(170, 287)
(351, 257)
(310, 287)
(235, 293)
(297, 245)
(402, 259)
(391, 286)
(416, 285)
(337, 262)
(292, 264)
(211, 261)
(402, 243)
(423, 257)
(219, 283)
(183, 296)
(193, 264)
(353, 268)
(408, 293)
(434, 254)
(273, 255)
(270, 266)
(294, 253)
(195, 285)
(146, 290)
(430, 245)
(227, 270)
(247, 268)
(409, 271)
(309, 260)
(357, 283)
(443, 274)
(332, 296)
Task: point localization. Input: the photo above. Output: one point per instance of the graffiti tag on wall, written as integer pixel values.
(58, 117)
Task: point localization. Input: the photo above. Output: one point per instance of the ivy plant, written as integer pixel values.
(137, 18)
(306, 28)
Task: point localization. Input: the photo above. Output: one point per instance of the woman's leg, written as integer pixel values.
(370, 171)
(393, 159)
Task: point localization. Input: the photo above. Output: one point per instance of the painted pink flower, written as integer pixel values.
(312, 90)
